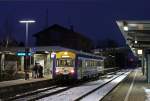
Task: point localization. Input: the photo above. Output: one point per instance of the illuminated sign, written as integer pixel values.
(23, 54)
(65, 56)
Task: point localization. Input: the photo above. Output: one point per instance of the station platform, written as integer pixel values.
(9, 88)
(133, 88)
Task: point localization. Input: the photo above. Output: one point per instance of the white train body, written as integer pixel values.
(77, 65)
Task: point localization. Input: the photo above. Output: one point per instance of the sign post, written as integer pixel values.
(27, 58)
(27, 65)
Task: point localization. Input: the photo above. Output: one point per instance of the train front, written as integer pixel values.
(64, 67)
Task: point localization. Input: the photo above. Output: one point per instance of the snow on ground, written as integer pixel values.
(39, 94)
(76, 92)
(100, 93)
(147, 91)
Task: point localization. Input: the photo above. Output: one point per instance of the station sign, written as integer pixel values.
(24, 54)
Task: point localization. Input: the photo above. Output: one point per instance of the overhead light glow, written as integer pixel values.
(125, 28)
(140, 51)
(72, 71)
(27, 21)
(132, 25)
(135, 42)
(57, 71)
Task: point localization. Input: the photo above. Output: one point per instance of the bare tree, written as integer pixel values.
(8, 40)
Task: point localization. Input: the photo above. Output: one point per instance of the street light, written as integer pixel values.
(27, 22)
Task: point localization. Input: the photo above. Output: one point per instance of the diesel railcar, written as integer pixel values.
(76, 65)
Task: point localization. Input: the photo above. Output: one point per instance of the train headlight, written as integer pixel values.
(57, 71)
(72, 71)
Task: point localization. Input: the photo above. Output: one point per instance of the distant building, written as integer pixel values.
(116, 57)
(61, 36)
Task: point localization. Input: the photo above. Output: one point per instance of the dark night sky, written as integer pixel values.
(95, 19)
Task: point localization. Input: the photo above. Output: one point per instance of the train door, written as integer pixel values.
(79, 68)
(100, 66)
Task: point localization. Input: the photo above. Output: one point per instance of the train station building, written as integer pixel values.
(12, 60)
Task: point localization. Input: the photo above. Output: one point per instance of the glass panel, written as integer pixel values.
(65, 63)
(80, 63)
(99, 63)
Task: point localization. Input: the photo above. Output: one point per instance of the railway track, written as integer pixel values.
(82, 91)
(43, 92)
(87, 94)
(54, 90)
(37, 94)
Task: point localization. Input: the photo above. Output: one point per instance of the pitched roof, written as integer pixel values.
(61, 29)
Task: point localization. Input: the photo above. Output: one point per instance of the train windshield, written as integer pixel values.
(65, 63)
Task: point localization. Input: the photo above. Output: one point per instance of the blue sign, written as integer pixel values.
(29, 54)
(23, 54)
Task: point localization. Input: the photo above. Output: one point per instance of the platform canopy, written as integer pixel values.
(136, 33)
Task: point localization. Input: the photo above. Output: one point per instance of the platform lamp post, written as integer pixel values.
(26, 22)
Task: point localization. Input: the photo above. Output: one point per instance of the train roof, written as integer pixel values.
(83, 54)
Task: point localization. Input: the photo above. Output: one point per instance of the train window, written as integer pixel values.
(80, 63)
(92, 63)
(65, 62)
(99, 63)
(87, 63)
(95, 63)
